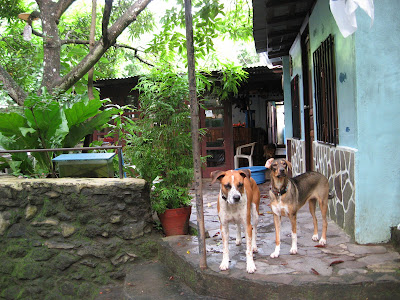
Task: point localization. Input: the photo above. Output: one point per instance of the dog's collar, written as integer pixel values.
(281, 191)
(223, 196)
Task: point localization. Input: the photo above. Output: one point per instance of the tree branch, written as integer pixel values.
(106, 20)
(37, 33)
(136, 51)
(13, 89)
(62, 6)
(100, 48)
(84, 42)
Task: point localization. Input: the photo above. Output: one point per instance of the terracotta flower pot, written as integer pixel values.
(175, 221)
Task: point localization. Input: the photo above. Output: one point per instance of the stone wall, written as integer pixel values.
(297, 152)
(66, 237)
(337, 164)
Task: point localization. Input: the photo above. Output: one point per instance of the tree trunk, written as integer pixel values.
(194, 114)
(91, 45)
(51, 44)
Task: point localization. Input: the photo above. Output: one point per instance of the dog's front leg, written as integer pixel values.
(293, 221)
(277, 221)
(254, 219)
(238, 235)
(251, 267)
(225, 244)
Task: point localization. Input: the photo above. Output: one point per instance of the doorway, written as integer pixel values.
(216, 145)
(308, 101)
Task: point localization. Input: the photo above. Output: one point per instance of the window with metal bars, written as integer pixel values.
(295, 107)
(325, 92)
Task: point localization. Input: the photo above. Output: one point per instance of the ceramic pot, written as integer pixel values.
(175, 221)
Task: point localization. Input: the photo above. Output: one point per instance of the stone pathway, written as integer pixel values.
(341, 263)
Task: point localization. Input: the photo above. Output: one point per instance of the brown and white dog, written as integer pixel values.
(288, 195)
(238, 203)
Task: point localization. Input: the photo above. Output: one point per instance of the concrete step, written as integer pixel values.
(279, 279)
(153, 281)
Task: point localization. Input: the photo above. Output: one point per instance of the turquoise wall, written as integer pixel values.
(368, 99)
(322, 24)
(378, 102)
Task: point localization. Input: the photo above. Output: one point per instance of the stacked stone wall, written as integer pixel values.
(338, 165)
(66, 237)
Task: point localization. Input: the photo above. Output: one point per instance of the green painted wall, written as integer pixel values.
(368, 99)
(321, 25)
(378, 102)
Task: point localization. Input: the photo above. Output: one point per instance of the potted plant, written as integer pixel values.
(159, 145)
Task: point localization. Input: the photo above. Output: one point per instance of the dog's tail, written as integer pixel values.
(331, 195)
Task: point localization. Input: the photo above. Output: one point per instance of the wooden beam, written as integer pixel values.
(288, 19)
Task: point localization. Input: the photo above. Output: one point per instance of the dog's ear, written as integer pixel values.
(217, 175)
(245, 173)
(269, 163)
(289, 164)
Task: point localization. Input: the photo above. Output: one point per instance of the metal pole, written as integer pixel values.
(120, 162)
(194, 113)
(61, 149)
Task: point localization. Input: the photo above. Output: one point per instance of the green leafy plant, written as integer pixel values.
(47, 123)
(159, 144)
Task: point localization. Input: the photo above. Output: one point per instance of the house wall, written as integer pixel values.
(378, 94)
(321, 25)
(336, 163)
(360, 167)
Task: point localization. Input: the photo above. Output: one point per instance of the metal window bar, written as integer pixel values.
(325, 92)
(119, 152)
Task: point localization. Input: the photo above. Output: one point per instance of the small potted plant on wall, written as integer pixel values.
(159, 146)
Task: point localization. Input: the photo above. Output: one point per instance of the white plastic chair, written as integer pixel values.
(239, 154)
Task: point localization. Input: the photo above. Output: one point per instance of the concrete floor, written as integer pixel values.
(342, 264)
(341, 270)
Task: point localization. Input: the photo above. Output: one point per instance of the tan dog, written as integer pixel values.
(288, 195)
(238, 203)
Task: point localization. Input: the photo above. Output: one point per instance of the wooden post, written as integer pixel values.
(194, 114)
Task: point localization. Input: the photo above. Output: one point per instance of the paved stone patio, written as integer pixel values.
(342, 262)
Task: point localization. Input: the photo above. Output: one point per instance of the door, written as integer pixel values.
(217, 144)
(308, 101)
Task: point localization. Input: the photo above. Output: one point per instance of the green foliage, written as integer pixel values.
(20, 57)
(229, 79)
(211, 20)
(9, 9)
(49, 123)
(159, 144)
(76, 25)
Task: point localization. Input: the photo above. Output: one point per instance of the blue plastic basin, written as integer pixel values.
(257, 172)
